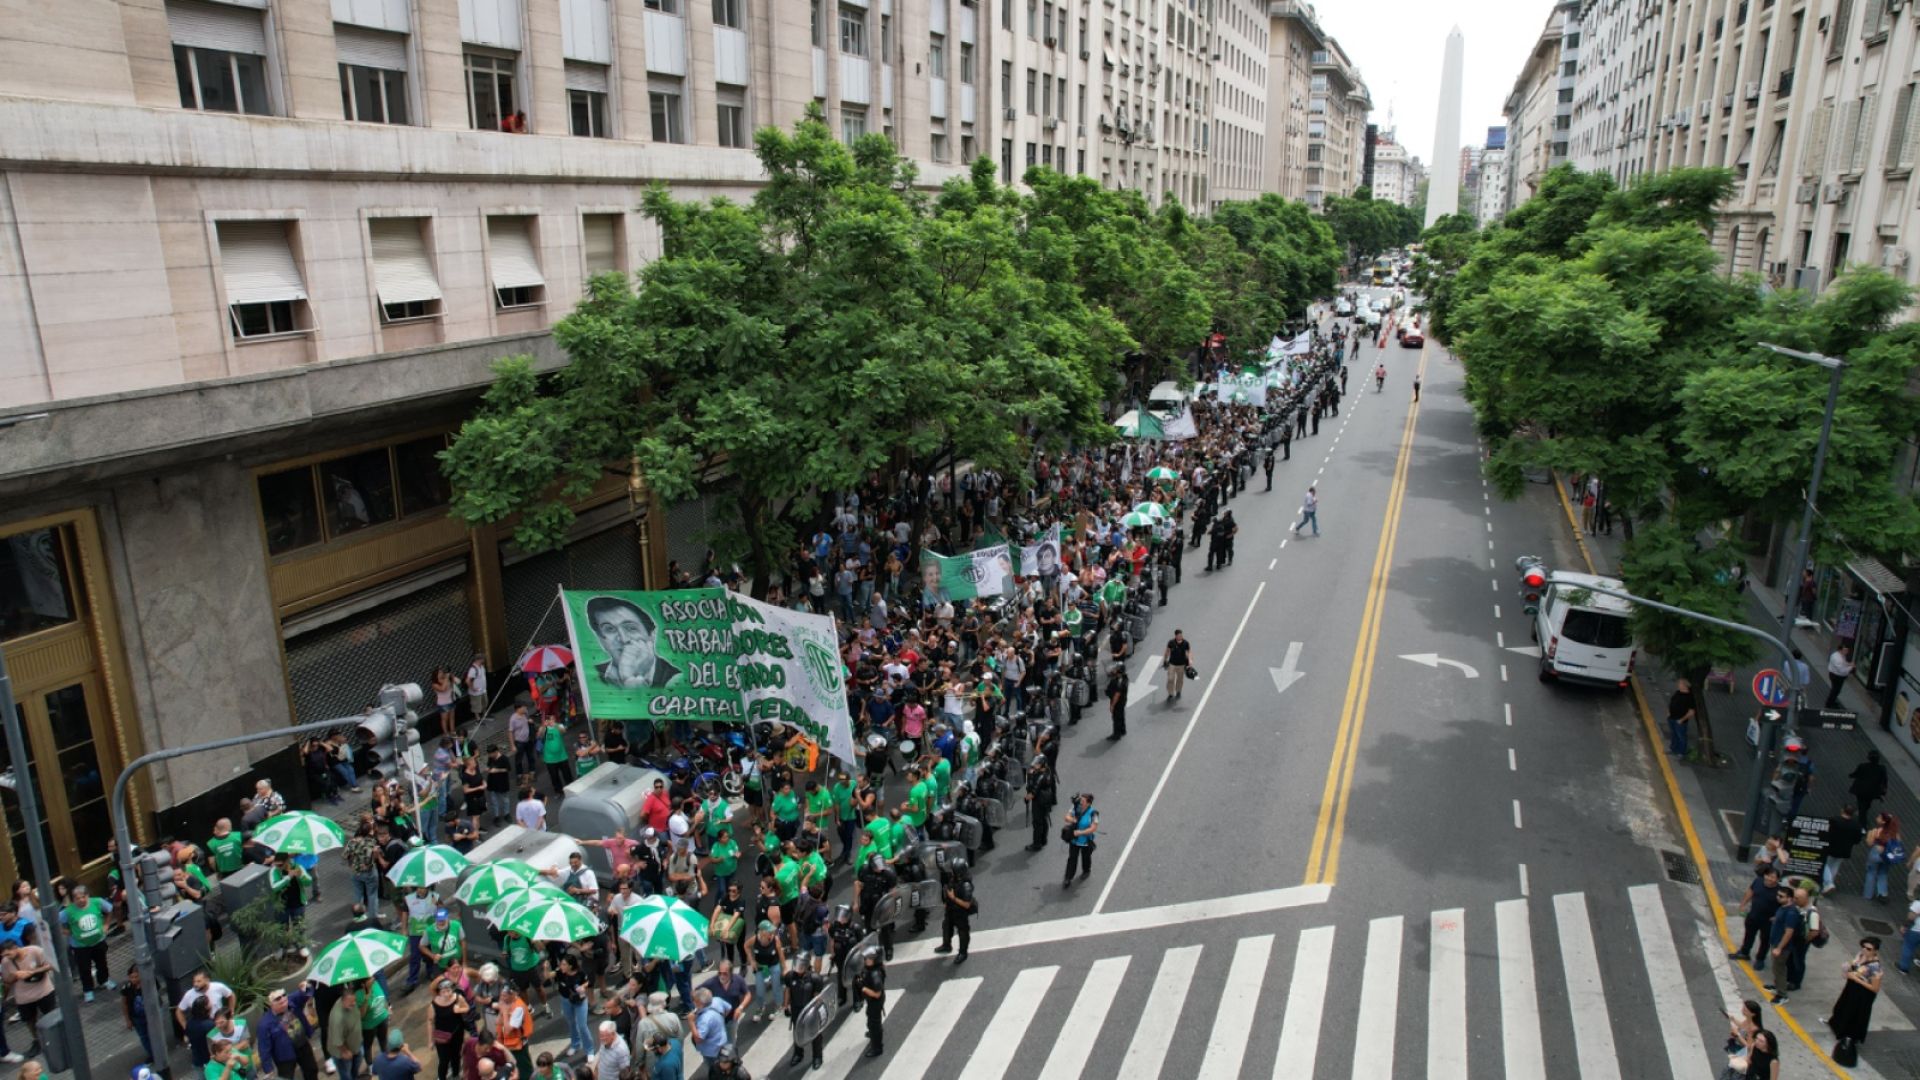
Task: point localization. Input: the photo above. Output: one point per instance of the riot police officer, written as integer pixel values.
(971, 805)
(959, 910)
(803, 984)
(844, 935)
(873, 994)
(876, 880)
(1042, 794)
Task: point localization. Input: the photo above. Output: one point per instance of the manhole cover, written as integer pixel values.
(1877, 928)
(1680, 868)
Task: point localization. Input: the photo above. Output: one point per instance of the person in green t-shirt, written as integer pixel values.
(445, 942)
(914, 811)
(226, 847)
(786, 878)
(371, 999)
(87, 932)
(525, 969)
(819, 806)
(786, 812)
(553, 751)
(847, 819)
(940, 782)
(813, 871)
(715, 812)
(723, 860)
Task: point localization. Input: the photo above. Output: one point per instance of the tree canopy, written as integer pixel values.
(1364, 226)
(843, 322)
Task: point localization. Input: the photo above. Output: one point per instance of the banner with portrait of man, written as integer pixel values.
(708, 654)
(1041, 558)
(987, 571)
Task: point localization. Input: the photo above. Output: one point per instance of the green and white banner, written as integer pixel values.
(985, 572)
(708, 654)
(1242, 388)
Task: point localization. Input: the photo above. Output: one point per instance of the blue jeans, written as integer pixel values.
(1876, 877)
(349, 1066)
(1677, 737)
(414, 959)
(766, 988)
(146, 1041)
(346, 774)
(366, 890)
(578, 1037)
(430, 824)
(1909, 945)
(500, 804)
(1309, 517)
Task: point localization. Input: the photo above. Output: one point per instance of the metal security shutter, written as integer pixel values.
(402, 273)
(601, 232)
(514, 264)
(606, 560)
(198, 24)
(370, 48)
(336, 670)
(257, 263)
(582, 76)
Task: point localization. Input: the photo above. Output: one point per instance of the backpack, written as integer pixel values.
(1894, 853)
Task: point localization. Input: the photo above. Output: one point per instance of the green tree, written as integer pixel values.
(1664, 563)
(798, 343)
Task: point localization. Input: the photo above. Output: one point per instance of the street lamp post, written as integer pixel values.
(71, 1030)
(1770, 731)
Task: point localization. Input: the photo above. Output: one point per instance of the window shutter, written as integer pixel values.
(1912, 139)
(1840, 136)
(1816, 142)
(1871, 17)
(514, 264)
(370, 48)
(391, 15)
(1862, 132)
(1897, 130)
(1837, 29)
(257, 263)
(602, 241)
(198, 24)
(491, 22)
(402, 273)
(586, 76)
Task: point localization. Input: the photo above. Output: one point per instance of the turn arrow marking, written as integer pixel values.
(1434, 660)
(1142, 687)
(1289, 671)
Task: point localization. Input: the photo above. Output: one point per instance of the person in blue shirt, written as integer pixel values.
(274, 1040)
(668, 1059)
(1082, 822)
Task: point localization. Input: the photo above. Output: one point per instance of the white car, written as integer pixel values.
(1584, 637)
(1343, 309)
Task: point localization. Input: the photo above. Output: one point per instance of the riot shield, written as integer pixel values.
(971, 832)
(856, 957)
(992, 811)
(888, 909)
(814, 1018)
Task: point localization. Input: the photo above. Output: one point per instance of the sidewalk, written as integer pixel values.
(1716, 798)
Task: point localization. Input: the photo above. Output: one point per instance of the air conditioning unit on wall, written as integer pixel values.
(1833, 193)
(1893, 258)
(1805, 192)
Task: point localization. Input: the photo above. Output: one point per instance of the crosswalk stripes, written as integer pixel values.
(1148, 1051)
(1686, 1050)
(1075, 1045)
(1379, 1000)
(1447, 998)
(1002, 1036)
(1592, 1027)
(1490, 989)
(1519, 1000)
(1306, 1002)
(1239, 999)
(912, 1059)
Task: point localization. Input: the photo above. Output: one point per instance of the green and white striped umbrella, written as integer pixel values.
(505, 908)
(663, 927)
(299, 832)
(1137, 520)
(491, 881)
(428, 865)
(1161, 472)
(358, 956)
(1151, 509)
(554, 920)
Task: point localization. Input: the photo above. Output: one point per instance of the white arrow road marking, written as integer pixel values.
(1526, 650)
(1289, 671)
(1144, 685)
(1434, 660)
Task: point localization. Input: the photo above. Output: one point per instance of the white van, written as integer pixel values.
(1167, 399)
(1584, 636)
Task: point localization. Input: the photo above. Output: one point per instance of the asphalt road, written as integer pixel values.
(1385, 869)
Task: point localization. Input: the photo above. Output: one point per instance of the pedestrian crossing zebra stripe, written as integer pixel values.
(1230, 1014)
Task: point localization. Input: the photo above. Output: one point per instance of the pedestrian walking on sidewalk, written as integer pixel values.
(1868, 783)
(1681, 710)
(1886, 852)
(1910, 938)
(1793, 929)
(1854, 1008)
(1309, 512)
(1839, 670)
(1763, 900)
(1843, 836)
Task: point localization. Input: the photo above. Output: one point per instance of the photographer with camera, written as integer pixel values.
(1078, 828)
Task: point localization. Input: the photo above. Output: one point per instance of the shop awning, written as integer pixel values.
(1875, 576)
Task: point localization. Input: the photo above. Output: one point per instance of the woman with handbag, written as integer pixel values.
(1854, 1008)
(449, 1027)
(1885, 850)
(1763, 1056)
(1740, 1028)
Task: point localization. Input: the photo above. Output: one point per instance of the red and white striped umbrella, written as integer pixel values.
(546, 658)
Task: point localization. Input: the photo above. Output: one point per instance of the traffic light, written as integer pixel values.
(1533, 579)
(153, 873)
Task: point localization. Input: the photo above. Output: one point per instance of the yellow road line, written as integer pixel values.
(1694, 848)
(1324, 859)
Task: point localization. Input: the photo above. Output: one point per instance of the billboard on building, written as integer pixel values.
(1497, 138)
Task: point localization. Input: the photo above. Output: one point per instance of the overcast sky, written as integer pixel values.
(1397, 46)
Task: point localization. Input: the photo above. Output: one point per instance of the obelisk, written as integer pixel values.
(1443, 186)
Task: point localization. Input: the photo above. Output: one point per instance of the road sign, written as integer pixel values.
(1770, 688)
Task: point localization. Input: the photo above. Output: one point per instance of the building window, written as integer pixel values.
(733, 125)
(1006, 161)
(663, 112)
(515, 263)
(265, 294)
(937, 57)
(1033, 92)
(726, 13)
(373, 96)
(1033, 18)
(587, 110)
(669, 7)
(939, 140)
(886, 39)
(422, 486)
(853, 124)
(358, 491)
(1046, 96)
(813, 22)
(219, 57)
(403, 277)
(490, 100)
(853, 31)
(1046, 156)
(966, 62)
(1006, 15)
(1006, 83)
(600, 243)
(36, 583)
(1080, 162)
(1033, 155)
(966, 149)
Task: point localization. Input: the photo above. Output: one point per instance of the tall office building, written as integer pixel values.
(1316, 141)
(1443, 191)
(1539, 109)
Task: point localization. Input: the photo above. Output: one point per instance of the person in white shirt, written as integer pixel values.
(578, 879)
(217, 994)
(1839, 670)
(531, 813)
(477, 686)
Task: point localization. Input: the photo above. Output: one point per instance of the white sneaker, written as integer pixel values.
(332, 1069)
(12, 1058)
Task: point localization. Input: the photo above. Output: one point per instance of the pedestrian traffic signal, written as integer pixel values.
(153, 872)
